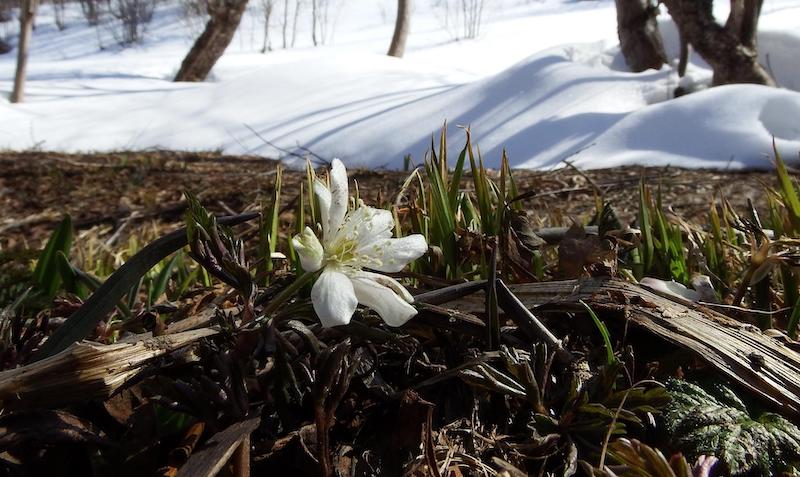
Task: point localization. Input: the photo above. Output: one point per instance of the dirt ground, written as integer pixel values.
(37, 188)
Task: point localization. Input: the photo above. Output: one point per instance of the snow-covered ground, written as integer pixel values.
(544, 80)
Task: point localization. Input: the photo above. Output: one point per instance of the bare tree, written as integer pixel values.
(401, 28)
(461, 18)
(5, 16)
(473, 17)
(314, 20)
(731, 50)
(91, 11)
(26, 16)
(639, 37)
(58, 14)
(218, 34)
(131, 18)
(320, 21)
(285, 23)
(268, 6)
(297, 9)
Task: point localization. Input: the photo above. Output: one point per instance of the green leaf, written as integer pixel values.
(455, 182)
(268, 231)
(645, 224)
(70, 279)
(712, 420)
(788, 191)
(159, 285)
(610, 359)
(96, 308)
(46, 276)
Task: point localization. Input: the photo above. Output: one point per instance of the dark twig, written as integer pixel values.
(319, 160)
(527, 321)
(444, 295)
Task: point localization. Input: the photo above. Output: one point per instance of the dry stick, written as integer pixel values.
(319, 158)
(527, 321)
(594, 185)
(241, 459)
(208, 461)
(734, 349)
(87, 370)
(444, 295)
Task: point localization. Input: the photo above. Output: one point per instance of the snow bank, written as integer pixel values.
(349, 100)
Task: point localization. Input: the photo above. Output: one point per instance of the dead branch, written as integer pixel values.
(86, 370)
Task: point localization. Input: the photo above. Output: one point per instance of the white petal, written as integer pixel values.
(324, 200)
(366, 224)
(376, 224)
(669, 287)
(392, 255)
(333, 298)
(309, 250)
(386, 281)
(339, 195)
(393, 309)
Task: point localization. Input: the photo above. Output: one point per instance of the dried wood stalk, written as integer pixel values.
(767, 366)
(762, 364)
(86, 370)
(212, 457)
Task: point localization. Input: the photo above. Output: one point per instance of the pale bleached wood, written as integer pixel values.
(764, 365)
(214, 454)
(86, 370)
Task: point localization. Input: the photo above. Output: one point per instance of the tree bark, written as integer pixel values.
(639, 37)
(268, 7)
(314, 18)
(401, 29)
(27, 14)
(730, 49)
(209, 47)
(749, 27)
(683, 61)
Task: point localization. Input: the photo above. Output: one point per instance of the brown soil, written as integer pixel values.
(37, 188)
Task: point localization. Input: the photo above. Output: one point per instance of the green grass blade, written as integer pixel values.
(268, 231)
(83, 321)
(788, 191)
(645, 224)
(70, 280)
(45, 275)
(794, 319)
(159, 285)
(610, 358)
(455, 182)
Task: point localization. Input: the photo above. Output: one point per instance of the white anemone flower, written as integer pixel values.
(351, 242)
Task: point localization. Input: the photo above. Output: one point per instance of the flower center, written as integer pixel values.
(342, 252)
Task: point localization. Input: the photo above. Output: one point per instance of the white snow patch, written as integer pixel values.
(545, 81)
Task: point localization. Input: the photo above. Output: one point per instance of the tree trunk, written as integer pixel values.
(314, 13)
(730, 50)
(285, 25)
(683, 61)
(27, 14)
(294, 21)
(749, 26)
(209, 47)
(401, 28)
(268, 7)
(639, 37)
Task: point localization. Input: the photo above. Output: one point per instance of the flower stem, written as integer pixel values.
(287, 293)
